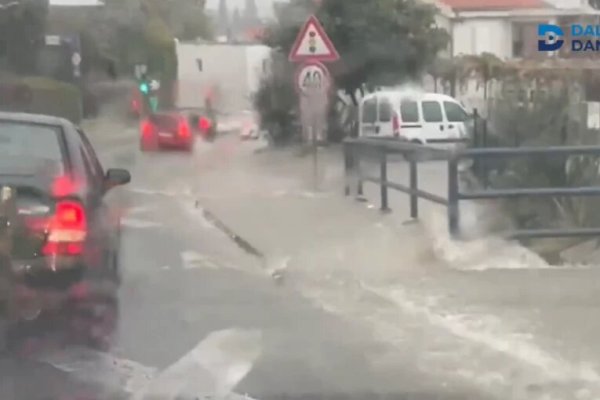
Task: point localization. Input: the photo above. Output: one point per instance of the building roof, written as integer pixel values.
(494, 5)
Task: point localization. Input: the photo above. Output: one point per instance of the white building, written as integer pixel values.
(227, 73)
(505, 28)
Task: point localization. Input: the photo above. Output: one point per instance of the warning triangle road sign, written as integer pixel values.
(313, 44)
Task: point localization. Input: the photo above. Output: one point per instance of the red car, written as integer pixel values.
(166, 130)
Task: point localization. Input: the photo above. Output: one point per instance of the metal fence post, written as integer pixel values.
(453, 207)
(414, 185)
(347, 169)
(357, 170)
(383, 178)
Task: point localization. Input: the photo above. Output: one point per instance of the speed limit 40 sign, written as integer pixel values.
(312, 78)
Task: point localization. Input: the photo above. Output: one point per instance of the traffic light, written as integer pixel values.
(144, 87)
(153, 103)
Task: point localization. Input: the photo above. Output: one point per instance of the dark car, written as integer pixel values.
(67, 233)
(202, 121)
(166, 130)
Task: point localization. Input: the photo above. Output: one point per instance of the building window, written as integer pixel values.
(200, 65)
(518, 40)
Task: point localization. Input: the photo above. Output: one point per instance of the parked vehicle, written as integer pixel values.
(426, 118)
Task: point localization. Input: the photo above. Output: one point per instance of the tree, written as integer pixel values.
(223, 25)
(487, 66)
(250, 18)
(236, 22)
(23, 27)
(381, 42)
(188, 20)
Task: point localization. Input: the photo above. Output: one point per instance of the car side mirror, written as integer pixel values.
(116, 177)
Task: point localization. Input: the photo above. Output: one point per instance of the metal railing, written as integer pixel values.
(455, 195)
(380, 149)
(356, 149)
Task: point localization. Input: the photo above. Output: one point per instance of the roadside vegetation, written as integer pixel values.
(113, 39)
(363, 33)
(525, 105)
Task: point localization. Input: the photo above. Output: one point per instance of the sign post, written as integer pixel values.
(311, 49)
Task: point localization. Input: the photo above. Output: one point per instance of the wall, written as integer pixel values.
(232, 71)
(222, 72)
(479, 35)
(259, 64)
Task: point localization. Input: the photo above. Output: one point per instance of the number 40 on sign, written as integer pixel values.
(313, 78)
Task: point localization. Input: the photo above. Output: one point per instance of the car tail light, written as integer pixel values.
(396, 125)
(147, 128)
(204, 124)
(67, 229)
(183, 129)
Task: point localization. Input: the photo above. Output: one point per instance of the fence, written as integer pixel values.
(357, 149)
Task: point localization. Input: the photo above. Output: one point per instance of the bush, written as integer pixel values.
(275, 101)
(47, 96)
(545, 122)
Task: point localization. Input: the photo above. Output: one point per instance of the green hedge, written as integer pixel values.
(47, 97)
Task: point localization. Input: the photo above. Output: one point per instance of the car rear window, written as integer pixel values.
(30, 141)
(165, 122)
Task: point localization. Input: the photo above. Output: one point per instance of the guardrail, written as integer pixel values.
(356, 149)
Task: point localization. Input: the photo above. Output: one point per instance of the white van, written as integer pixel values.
(426, 118)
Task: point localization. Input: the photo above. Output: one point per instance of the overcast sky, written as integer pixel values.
(265, 7)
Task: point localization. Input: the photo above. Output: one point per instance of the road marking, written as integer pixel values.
(140, 210)
(105, 369)
(193, 260)
(167, 193)
(213, 368)
(216, 366)
(139, 223)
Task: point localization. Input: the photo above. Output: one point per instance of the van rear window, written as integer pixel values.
(385, 110)
(409, 111)
(369, 111)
